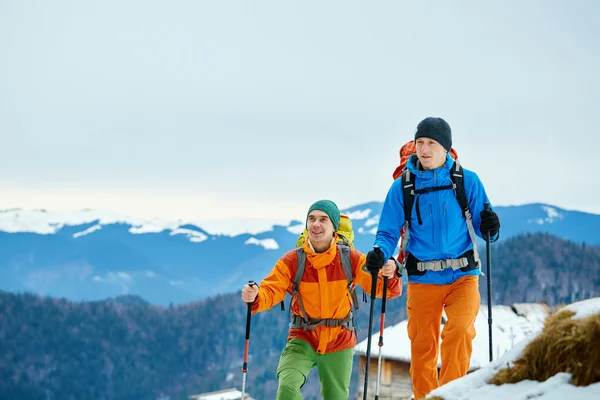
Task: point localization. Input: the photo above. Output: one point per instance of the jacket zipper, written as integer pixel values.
(432, 224)
(445, 226)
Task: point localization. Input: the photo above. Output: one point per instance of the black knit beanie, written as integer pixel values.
(436, 129)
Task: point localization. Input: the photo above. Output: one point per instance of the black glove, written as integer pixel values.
(489, 223)
(375, 260)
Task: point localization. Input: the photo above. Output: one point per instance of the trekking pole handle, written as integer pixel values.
(247, 342)
(249, 312)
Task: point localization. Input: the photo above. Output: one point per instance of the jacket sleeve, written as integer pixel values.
(477, 198)
(391, 220)
(362, 277)
(273, 288)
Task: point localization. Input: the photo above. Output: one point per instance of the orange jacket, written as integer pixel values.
(324, 293)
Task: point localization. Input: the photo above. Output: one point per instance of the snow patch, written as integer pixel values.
(123, 275)
(372, 221)
(87, 231)
(269, 244)
(364, 231)
(359, 214)
(585, 308)
(151, 274)
(113, 277)
(194, 236)
(552, 215)
(296, 229)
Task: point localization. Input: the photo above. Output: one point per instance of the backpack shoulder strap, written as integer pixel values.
(301, 255)
(300, 269)
(296, 283)
(408, 191)
(344, 250)
(458, 181)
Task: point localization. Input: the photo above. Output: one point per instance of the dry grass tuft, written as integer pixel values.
(565, 345)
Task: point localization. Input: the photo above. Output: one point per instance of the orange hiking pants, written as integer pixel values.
(425, 303)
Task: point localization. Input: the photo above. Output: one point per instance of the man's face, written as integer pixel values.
(431, 154)
(320, 227)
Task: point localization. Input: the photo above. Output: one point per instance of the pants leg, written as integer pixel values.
(335, 370)
(424, 307)
(296, 361)
(461, 305)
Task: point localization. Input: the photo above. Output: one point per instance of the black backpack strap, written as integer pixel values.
(458, 180)
(408, 190)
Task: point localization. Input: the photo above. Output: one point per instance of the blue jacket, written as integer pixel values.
(444, 233)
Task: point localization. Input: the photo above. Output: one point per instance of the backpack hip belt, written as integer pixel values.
(439, 265)
(312, 323)
(465, 262)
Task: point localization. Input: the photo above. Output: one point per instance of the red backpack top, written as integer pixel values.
(406, 151)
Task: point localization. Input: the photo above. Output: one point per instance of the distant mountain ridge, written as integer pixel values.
(124, 348)
(91, 256)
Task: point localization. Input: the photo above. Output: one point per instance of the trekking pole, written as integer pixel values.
(488, 255)
(373, 293)
(245, 365)
(381, 326)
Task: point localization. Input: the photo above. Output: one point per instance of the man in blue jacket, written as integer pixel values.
(442, 261)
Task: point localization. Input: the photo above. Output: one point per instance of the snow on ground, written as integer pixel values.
(227, 394)
(508, 328)
(585, 308)
(474, 386)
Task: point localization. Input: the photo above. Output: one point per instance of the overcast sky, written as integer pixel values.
(223, 109)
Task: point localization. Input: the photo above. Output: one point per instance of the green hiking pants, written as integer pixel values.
(298, 358)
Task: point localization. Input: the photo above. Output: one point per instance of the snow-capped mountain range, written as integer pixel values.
(90, 255)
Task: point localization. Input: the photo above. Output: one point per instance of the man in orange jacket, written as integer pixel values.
(321, 333)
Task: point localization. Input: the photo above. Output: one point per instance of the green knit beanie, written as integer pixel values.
(329, 208)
